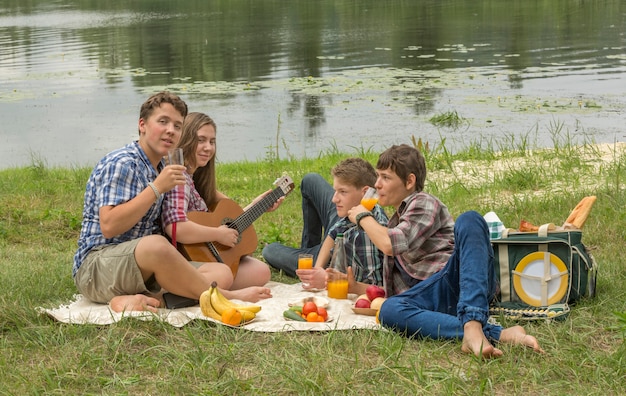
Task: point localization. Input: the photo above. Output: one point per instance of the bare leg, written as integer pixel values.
(249, 283)
(155, 255)
(219, 273)
(222, 274)
(252, 272)
(137, 302)
(474, 341)
(516, 335)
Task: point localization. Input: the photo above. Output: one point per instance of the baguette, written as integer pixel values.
(579, 215)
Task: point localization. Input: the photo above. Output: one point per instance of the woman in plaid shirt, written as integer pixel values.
(438, 273)
(198, 142)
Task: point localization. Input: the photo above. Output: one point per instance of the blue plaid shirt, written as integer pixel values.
(119, 177)
(364, 256)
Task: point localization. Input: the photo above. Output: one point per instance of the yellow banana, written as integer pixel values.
(251, 308)
(247, 316)
(221, 304)
(206, 307)
(226, 302)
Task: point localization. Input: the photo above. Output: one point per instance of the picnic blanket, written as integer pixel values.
(269, 319)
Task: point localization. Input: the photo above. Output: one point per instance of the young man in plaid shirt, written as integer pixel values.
(122, 258)
(438, 273)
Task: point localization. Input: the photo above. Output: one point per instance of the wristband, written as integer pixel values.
(156, 190)
(360, 217)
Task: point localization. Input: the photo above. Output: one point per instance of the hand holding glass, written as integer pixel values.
(370, 199)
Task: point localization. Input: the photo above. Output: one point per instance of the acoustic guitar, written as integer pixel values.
(228, 212)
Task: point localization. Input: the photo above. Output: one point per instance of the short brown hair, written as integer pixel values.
(355, 171)
(404, 160)
(158, 99)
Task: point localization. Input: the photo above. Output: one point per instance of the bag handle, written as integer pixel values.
(541, 232)
(544, 228)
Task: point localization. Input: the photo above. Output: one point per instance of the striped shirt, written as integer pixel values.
(119, 177)
(366, 259)
(422, 240)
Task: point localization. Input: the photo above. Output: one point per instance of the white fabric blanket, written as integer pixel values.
(269, 319)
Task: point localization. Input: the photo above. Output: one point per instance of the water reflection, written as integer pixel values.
(312, 110)
(423, 101)
(515, 81)
(334, 72)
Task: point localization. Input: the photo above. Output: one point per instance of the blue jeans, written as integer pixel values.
(319, 214)
(439, 306)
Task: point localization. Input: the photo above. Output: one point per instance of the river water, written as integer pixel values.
(289, 79)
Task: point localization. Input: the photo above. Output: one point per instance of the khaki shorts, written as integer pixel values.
(110, 271)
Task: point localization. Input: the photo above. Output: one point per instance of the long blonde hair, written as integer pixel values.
(204, 177)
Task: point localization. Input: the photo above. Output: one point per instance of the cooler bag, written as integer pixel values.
(541, 272)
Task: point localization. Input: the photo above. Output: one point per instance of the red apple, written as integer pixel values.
(363, 296)
(374, 292)
(362, 303)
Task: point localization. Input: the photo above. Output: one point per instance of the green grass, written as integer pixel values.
(40, 211)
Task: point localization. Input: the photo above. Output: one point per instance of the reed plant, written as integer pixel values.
(40, 212)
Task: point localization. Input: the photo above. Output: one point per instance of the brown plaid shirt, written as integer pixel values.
(422, 239)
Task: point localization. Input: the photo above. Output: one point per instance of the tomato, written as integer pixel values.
(309, 307)
(321, 311)
(312, 317)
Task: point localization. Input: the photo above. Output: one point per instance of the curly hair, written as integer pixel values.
(156, 100)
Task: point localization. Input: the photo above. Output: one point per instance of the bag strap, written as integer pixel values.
(174, 234)
(505, 272)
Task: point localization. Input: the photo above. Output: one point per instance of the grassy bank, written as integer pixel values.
(40, 212)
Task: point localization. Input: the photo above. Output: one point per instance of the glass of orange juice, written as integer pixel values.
(370, 199)
(305, 261)
(337, 285)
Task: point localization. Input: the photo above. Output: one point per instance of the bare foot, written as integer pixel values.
(138, 302)
(516, 335)
(474, 341)
(251, 294)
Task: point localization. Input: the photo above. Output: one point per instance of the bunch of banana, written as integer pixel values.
(213, 303)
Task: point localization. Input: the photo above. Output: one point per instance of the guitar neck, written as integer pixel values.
(248, 217)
